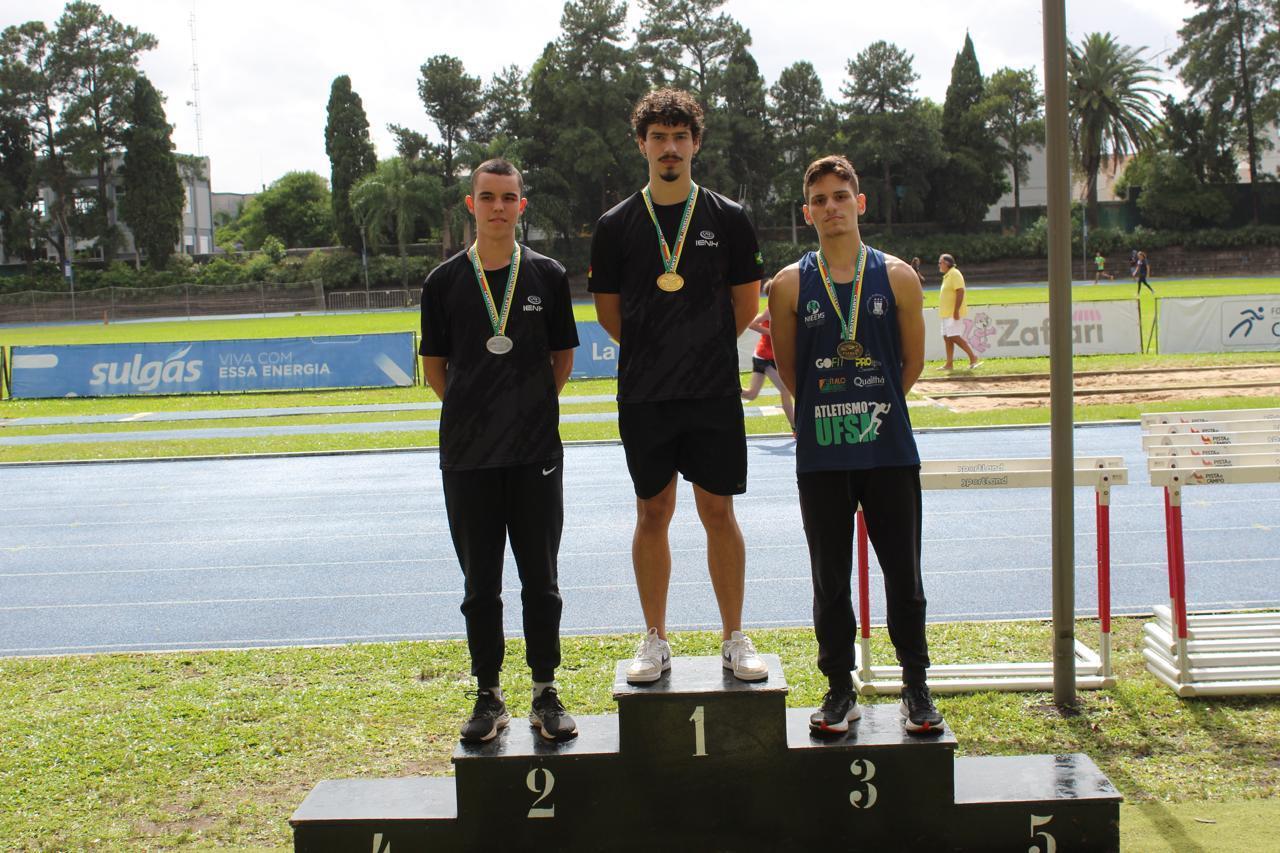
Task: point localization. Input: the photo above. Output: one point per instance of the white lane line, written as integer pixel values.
(515, 591)
(247, 644)
(436, 532)
(135, 417)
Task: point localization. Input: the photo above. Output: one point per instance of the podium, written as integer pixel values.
(699, 761)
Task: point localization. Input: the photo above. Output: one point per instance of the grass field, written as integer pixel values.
(213, 750)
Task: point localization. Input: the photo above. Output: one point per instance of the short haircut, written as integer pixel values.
(497, 166)
(673, 107)
(951, 262)
(832, 164)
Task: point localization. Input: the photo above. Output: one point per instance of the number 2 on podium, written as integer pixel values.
(699, 720)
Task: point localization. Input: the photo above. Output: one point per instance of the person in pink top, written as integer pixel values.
(762, 365)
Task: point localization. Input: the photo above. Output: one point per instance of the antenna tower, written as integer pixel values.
(195, 87)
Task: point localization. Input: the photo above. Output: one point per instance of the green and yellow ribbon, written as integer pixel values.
(670, 259)
(498, 319)
(848, 329)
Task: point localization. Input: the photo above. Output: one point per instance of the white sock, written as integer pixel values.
(496, 691)
(539, 686)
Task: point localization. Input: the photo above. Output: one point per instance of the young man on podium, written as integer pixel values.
(497, 347)
(675, 272)
(848, 338)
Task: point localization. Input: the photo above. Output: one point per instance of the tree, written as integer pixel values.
(971, 178)
(96, 58)
(391, 200)
(739, 144)
(351, 155)
(30, 95)
(1228, 56)
(154, 195)
(684, 43)
(1016, 107)
(804, 123)
(295, 209)
(1171, 195)
(17, 189)
(505, 103)
(1110, 94)
(1201, 139)
(885, 124)
(578, 145)
(452, 99)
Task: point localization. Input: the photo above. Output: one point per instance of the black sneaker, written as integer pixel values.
(839, 708)
(489, 717)
(919, 714)
(549, 718)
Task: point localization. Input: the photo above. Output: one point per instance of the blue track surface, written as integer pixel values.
(306, 550)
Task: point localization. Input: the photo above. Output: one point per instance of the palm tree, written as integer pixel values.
(1112, 105)
(391, 200)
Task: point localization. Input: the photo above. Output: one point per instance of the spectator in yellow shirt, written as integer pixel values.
(952, 310)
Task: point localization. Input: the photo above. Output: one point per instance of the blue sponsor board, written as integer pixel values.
(597, 354)
(271, 364)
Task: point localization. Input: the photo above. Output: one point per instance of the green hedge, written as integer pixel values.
(341, 270)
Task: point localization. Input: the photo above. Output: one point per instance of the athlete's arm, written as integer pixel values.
(909, 299)
(757, 325)
(746, 302)
(782, 324)
(434, 368)
(609, 313)
(561, 366)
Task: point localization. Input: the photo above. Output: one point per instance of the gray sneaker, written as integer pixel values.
(738, 653)
(653, 657)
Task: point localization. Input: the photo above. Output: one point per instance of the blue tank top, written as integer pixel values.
(851, 414)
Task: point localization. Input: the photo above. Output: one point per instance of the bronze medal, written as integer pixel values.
(849, 350)
(670, 282)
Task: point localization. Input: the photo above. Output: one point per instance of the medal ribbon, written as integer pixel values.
(671, 260)
(848, 330)
(496, 319)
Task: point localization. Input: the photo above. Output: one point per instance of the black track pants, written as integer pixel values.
(890, 499)
(486, 507)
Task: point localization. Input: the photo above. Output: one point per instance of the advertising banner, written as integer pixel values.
(1005, 331)
(1220, 324)
(272, 364)
(597, 354)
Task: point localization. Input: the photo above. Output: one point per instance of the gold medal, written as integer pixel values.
(670, 282)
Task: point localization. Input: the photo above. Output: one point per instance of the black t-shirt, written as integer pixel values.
(680, 345)
(498, 409)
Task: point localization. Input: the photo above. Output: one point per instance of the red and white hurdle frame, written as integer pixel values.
(1093, 669)
(1230, 653)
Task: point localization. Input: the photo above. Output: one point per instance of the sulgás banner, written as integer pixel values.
(194, 367)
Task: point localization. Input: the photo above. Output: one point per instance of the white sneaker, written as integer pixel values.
(653, 657)
(739, 654)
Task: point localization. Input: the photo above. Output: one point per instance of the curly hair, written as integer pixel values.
(674, 107)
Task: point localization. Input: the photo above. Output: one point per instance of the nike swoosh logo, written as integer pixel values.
(546, 471)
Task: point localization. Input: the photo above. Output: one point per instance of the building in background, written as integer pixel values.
(197, 213)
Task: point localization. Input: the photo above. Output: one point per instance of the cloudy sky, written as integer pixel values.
(266, 67)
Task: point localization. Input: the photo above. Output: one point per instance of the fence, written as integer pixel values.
(372, 300)
(178, 300)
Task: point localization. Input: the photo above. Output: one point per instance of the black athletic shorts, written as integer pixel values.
(760, 365)
(705, 440)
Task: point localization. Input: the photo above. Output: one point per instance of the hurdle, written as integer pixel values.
(1093, 669)
(1229, 653)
